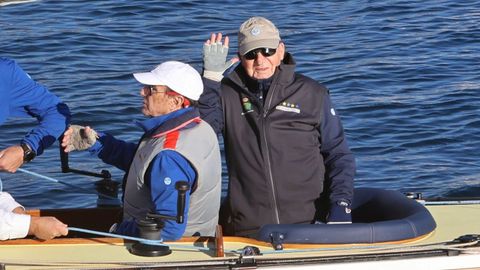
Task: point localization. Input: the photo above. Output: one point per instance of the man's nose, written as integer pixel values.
(259, 58)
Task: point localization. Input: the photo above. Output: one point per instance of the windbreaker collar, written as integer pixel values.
(284, 74)
(168, 121)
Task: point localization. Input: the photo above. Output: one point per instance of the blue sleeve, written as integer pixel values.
(127, 227)
(28, 98)
(166, 169)
(113, 151)
(339, 160)
(210, 105)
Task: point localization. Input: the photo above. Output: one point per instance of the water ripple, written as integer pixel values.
(403, 76)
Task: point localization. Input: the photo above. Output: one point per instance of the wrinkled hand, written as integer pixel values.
(78, 138)
(47, 228)
(11, 158)
(215, 57)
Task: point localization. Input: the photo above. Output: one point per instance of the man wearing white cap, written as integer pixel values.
(286, 152)
(176, 146)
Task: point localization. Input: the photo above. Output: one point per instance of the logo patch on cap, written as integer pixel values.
(255, 31)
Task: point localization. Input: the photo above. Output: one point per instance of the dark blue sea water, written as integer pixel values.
(404, 76)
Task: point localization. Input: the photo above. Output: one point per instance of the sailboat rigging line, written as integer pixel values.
(65, 183)
(142, 240)
(452, 202)
(392, 248)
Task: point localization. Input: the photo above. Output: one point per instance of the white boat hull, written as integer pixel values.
(432, 251)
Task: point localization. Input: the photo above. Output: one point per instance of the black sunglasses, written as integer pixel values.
(266, 52)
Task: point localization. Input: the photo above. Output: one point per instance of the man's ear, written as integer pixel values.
(281, 49)
(178, 101)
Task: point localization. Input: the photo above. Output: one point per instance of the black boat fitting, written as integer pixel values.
(151, 227)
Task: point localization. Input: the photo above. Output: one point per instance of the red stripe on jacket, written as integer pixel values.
(171, 140)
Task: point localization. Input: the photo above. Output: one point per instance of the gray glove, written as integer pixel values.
(215, 61)
(80, 139)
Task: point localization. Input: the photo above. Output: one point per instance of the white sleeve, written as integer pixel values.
(12, 225)
(7, 202)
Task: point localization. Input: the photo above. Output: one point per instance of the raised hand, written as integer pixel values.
(215, 57)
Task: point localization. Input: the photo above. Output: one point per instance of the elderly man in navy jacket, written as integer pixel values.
(284, 141)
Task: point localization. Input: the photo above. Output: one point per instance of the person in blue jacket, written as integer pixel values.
(20, 96)
(176, 146)
(287, 156)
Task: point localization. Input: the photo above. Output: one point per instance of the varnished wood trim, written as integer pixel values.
(220, 252)
(206, 241)
(213, 242)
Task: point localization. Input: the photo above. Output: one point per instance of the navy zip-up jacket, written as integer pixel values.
(275, 173)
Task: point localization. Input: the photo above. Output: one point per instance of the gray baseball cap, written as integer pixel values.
(257, 32)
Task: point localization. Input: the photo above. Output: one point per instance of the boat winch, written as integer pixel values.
(151, 227)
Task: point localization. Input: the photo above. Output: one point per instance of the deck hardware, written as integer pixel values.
(219, 247)
(251, 251)
(414, 195)
(453, 252)
(245, 262)
(106, 186)
(151, 226)
(277, 240)
(468, 238)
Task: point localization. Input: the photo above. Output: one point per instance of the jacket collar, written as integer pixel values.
(183, 118)
(284, 75)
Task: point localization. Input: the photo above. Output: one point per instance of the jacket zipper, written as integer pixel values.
(269, 166)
